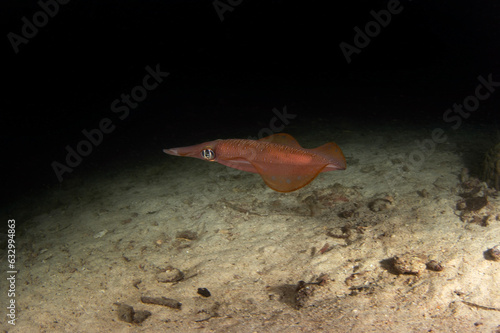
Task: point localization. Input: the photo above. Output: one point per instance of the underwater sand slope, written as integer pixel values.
(381, 246)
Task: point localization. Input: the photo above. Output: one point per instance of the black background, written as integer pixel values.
(226, 76)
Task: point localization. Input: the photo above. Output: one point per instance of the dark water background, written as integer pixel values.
(226, 76)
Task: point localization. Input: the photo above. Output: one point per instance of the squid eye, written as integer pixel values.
(208, 154)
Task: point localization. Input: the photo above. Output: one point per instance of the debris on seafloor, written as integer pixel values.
(472, 204)
(208, 313)
(188, 235)
(491, 172)
(324, 249)
(346, 233)
(127, 314)
(381, 204)
(482, 307)
(164, 301)
(409, 263)
(204, 292)
(136, 283)
(305, 290)
(494, 253)
(423, 193)
(346, 214)
(435, 266)
(101, 233)
(170, 274)
(361, 282)
(474, 207)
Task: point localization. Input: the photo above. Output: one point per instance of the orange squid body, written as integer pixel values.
(279, 159)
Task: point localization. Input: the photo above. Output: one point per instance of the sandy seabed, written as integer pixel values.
(388, 245)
